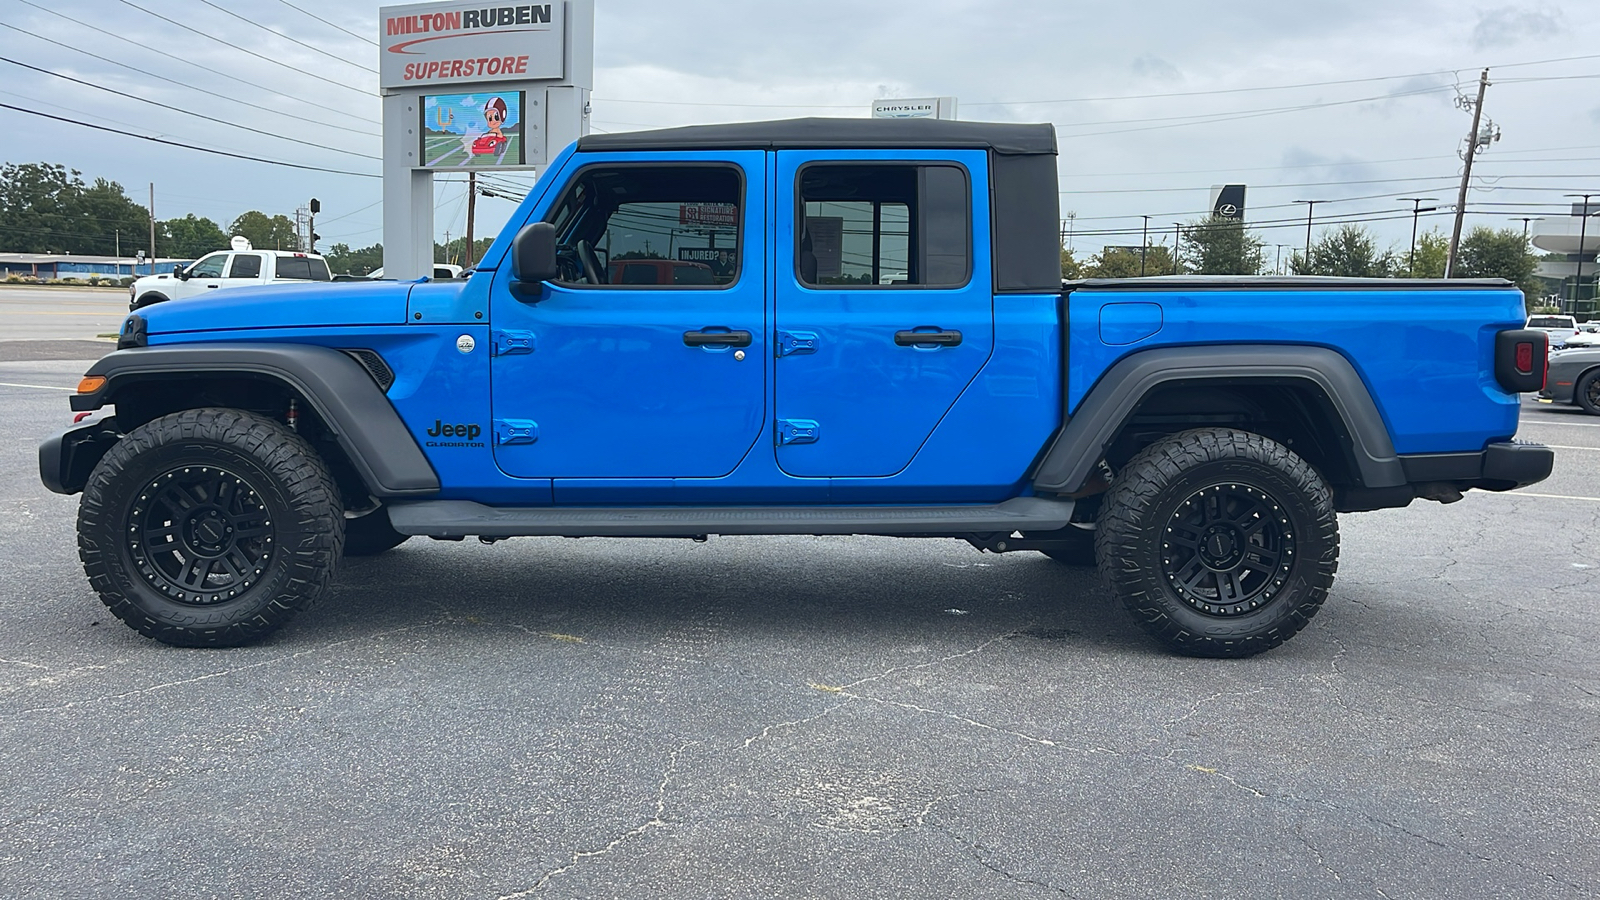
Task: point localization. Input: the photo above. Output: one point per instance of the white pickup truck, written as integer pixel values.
(239, 267)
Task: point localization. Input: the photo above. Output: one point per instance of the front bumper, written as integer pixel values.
(66, 459)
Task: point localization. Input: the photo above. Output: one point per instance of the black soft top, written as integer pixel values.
(1002, 138)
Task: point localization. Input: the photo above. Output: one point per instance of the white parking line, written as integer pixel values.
(1564, 447)
(1543, 496)
(40, 387)
(1559, 424)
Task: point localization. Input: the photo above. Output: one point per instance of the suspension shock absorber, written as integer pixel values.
(292, 417)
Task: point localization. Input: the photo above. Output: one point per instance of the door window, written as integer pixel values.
(651, 227)
(884, 226)
(302, 268)
(209, 267)
(245, 265)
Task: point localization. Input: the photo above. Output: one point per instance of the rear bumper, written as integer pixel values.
(1445, 476)
(1500, 467)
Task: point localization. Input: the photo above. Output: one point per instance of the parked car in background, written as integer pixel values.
(1588, 336)
(440, 271)
(1560, 328)
(1574, 378)
(242, 266)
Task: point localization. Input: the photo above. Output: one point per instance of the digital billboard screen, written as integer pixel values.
(481, 128)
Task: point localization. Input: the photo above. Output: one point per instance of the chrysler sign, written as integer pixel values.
(423, 45)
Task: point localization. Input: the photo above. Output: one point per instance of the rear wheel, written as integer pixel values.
(1221, 543)
(209, 527)
(1587, 393)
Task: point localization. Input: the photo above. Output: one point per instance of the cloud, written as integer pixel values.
(1508, 25)
(1155, 67)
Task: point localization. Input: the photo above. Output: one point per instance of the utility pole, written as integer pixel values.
(1278, 267)
(152, 228)
(1144, 245)
(1466, 175)
(1583, 237)
(1072, 220)
(1177, 240)
(1311, 206)
(472, 202)
(1416, 210)
(446, 250)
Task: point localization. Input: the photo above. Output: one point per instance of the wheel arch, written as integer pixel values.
(1310, 398)
(342, 409)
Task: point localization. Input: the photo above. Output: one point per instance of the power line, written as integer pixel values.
(286, 37)
(281, 65)
(327, 23)
(156, 140)
(187, 112)
(181, 84)
(260, 87)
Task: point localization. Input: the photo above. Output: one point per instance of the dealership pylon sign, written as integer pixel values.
(469, 86)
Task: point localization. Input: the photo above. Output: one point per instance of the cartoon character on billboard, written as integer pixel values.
(494, 113)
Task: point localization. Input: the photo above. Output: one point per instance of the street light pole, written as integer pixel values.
(1311, 206)
(1278, 266)
(1144, 245)
(1525, 220)
(1416, 210)
(1583, 235)
(1177, 240)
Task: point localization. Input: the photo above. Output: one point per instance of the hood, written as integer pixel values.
(283, 306)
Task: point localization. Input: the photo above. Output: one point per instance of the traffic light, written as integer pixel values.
(316, 206)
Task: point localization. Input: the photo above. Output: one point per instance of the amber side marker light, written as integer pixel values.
(91, 383)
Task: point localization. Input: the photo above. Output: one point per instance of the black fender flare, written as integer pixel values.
(1082, 441)
(148, 298)
(338, 388)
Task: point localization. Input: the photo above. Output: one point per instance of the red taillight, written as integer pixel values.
(1525, 358)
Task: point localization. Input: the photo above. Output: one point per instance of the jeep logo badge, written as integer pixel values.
(465, 343)
(466, 435)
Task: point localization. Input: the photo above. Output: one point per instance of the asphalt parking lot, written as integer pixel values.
(827, 717)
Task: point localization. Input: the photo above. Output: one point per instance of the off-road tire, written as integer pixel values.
(1587, 392)
(1263, 515)
(174, 484)
(371, 534)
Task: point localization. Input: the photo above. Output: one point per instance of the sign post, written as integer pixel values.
(467, 88)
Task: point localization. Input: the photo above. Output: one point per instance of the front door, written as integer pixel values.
(205, 276)
(884, 312)
(644, 359)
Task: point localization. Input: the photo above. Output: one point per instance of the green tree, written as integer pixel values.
(266, 232)
(1350, 251)
(190, 237)
(46, 208)
(344, 261)
(454, 252)
(1433, 246)
(1071, 269)
(1500, 253)
(1217, 245)
(1128, 262)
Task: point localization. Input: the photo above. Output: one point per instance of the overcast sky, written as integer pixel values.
(1216, 67)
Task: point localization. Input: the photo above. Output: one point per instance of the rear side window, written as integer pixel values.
(303, 268)
(245, 265)
(884, 226)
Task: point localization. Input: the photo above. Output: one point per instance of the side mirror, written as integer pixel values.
(179, 273)
(533, 254)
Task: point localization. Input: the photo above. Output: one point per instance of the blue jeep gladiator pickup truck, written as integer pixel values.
(859, 328)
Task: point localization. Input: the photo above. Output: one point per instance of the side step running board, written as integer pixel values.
(464, 518)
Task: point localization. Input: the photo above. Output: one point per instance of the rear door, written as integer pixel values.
(885, 311)
(598, 375)
(244, 271)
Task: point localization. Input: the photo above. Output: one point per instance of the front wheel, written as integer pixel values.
(1221, 543)
(209, 527)
(1587, 393)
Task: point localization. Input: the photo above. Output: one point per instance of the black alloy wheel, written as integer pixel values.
(1227, 549)
(200, 534)
(1587, 393)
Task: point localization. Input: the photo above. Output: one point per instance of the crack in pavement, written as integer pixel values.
(655, 821)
